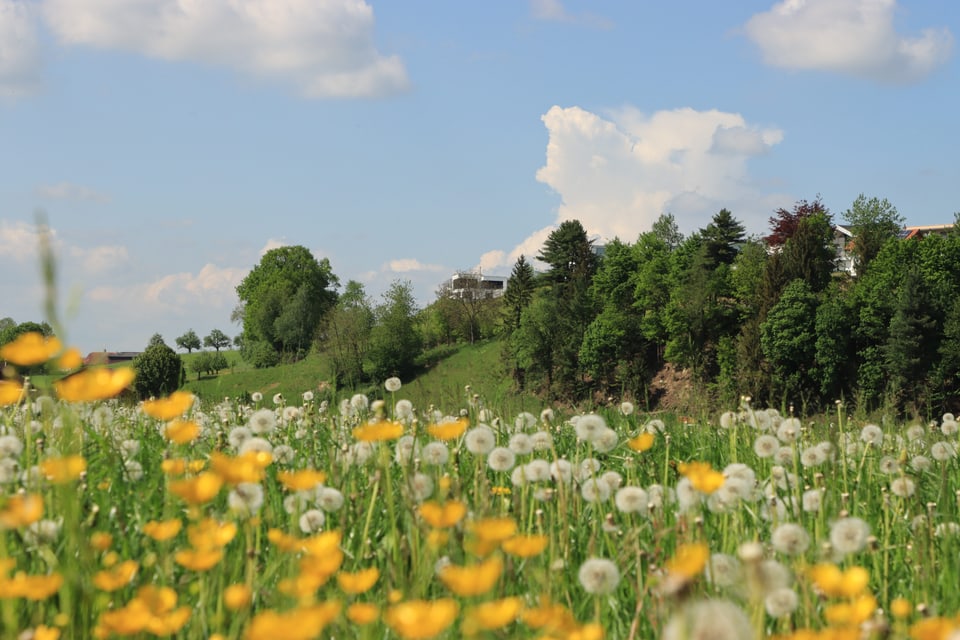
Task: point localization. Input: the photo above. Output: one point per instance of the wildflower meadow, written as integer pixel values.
(369, 517)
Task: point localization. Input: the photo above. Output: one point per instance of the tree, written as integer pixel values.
(159, 371)
(666, 230)
(569, 254)
(874, 222)
(808, 254)
(189, 341)
(783, 224)
(518, 294)
(217, 339)
(394, 339)
(284, 299)
(788, 339)
(209, 362)
(912, 344)
(155, 340)
(345, 336)
(722, 237)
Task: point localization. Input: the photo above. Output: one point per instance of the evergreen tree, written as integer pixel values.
(912, 344)
(722, 238)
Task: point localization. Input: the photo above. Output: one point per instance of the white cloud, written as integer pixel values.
(70, 191)
(324, 47)
(617, 173)
(554, 11)
(273, 243)
(183, 292)
(20, 240)
(406, 265)
(855, 37)
(102, 258)
(20, 59)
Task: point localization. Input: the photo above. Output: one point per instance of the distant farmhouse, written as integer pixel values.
(844, 239)
(109, 357)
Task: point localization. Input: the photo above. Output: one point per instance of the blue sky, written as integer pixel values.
(171, 142)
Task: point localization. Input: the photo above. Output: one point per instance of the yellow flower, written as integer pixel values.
(198, 490)
(237, 596)
(525, 546)
(494, 529)
(642, 442)
(199, 559)
(21, 510)
(174, 405)
(248, 467)
(472, 580)
(284, 541)
(441, 516)
(70, 359)
(490, 616)
(448, 430)
(378, 431)
(43, 632)
(116, 578)
(702, 476)
(10, 392)
(162, 530)
(303, 623)
(362, 613)
(302, 480)
(901, 608)
(549, 616)
(94, 384)
(63, 470)
(322, 543)
(211, 534)
(851, 613)
(836, 583)
(688, 560)
(30, 587)
(30, 349)
(182, 431)
(421, 619)
(359, 582)
(101, 540)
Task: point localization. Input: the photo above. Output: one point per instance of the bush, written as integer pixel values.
(159, 371)
(260, 354)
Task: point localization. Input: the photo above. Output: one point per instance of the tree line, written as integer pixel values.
(770, 317)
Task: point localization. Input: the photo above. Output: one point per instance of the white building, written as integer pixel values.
(475, 284)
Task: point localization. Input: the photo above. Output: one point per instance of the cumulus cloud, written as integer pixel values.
(554, 11)
(617, 173)
(100, 259)
(70, 191)
(20, 59)
(406, 265)
(855, 37)
(324, 47)
(273, 243)
(212, 286)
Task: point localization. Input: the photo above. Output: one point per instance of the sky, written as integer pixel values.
(165, 145)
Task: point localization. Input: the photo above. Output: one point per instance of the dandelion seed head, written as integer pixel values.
(790, 539)
(312, 521)
(392, 384)
(239, 435)
(561, 470)
(723, 570)
(872, 435)
(284, 454)
(435, 453)
(812, 456)
(903, 486)
(406, 448)
(520, 444)
(246, 498)
(627, 408)
(849, 535)
(599, 576)
(728, 419)
(541, 440)
(588, 467)
(359, 402)
(129, 448)
(920, 463)
(259, 445)
(606, 441)
(10, 446)
(501, 459)
(916, 432)
(781, 602)
(789, 430)
(783, 455)
(133, 470)
(480, 440)
(812, 500)
(524, 420)
(329, 499)
(942, 451)
(421, 486)
(595, 490)
(708, 620)
(589, 426)
(632, 500)
(403, 410)
(537, 470)
(9, 470)
(765, 446)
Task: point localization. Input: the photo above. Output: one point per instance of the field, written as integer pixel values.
(434, 510)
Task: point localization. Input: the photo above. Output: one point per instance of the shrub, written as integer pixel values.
(159, 371)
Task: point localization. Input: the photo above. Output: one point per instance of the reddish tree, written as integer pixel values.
(783, 225)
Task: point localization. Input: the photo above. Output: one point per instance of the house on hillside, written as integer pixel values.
(844, 239)
(474, 284)
(109, 357)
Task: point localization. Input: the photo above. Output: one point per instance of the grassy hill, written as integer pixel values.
(442, 385)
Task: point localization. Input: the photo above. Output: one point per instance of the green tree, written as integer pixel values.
(156, 339)
(874, 222)
(666, 230)
(788, 340)
(722, 237)
(808, 254)
(394, 339)
(159, 371)
(189, 341)
(284, 299)
(345, 337)
(912, 344)
(217, 340)
(784, 223)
